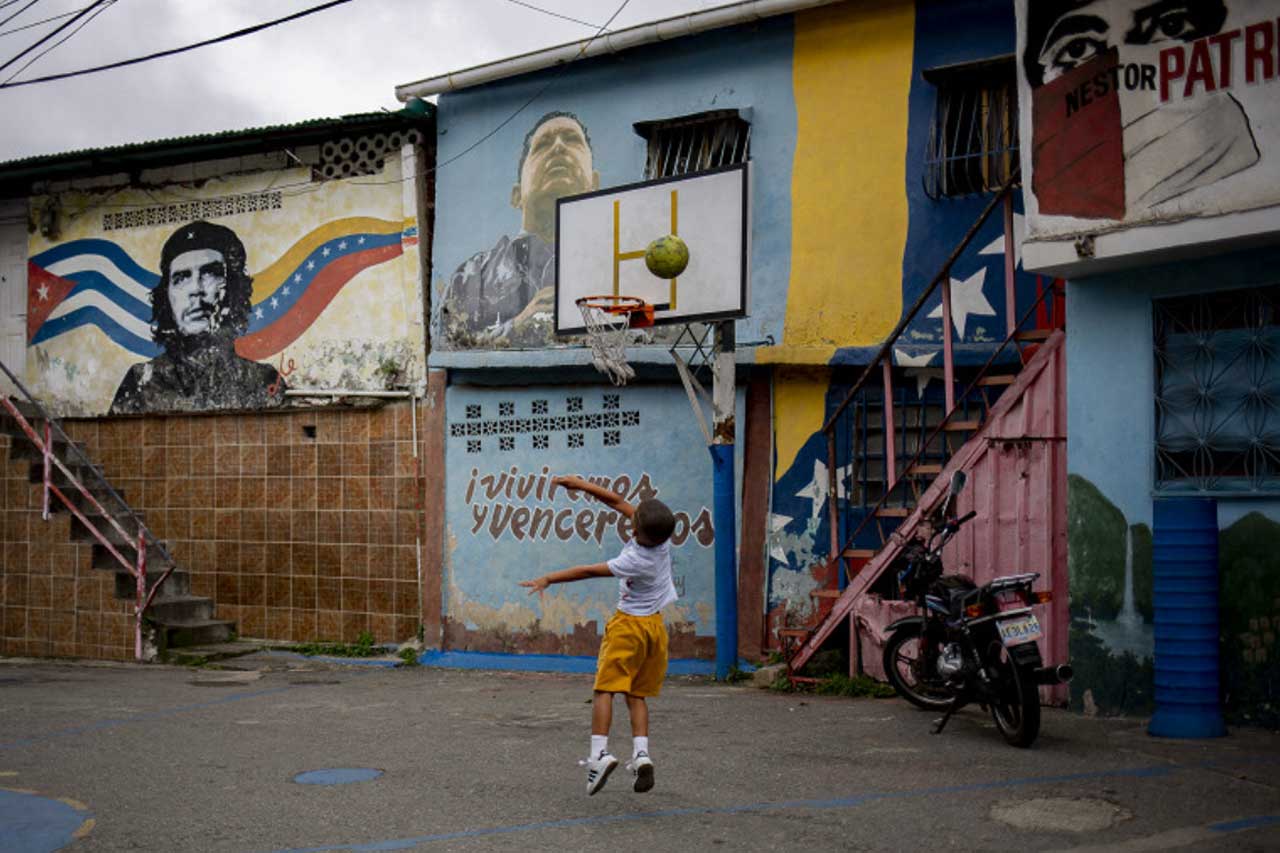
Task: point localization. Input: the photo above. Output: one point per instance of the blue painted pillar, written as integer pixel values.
(726, 527)
(723, 402)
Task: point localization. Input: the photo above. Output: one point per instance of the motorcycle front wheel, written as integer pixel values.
(1016, 708)
(911, 671)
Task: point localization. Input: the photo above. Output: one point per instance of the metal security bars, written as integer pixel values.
(1217, 395)
(973, 138)
(695, 143)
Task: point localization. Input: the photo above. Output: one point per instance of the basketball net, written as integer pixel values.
(609, 321)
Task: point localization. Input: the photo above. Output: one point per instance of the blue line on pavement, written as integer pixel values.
(837, 803)
(548, 663)
(30, 823)
(1245, 823)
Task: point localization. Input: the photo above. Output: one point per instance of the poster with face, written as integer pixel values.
(1147, 111)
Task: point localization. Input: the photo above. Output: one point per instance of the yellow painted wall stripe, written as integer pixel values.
(852, 81)
(799, 404)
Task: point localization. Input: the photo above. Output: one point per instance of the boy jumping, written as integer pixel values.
(633, 652)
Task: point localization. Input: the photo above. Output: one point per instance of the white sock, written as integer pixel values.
(599, 744)
(639, 745)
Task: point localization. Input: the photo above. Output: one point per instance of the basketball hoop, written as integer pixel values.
(609, 319)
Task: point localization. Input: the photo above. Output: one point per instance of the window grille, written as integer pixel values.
(1218, 392)
(973, 138)
(695, 143)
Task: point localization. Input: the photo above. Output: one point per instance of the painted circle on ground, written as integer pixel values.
(30, 823)
(1060, 814)
(337, 776)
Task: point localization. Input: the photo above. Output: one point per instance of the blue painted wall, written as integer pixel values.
(505, 526)
(609, 94)
(1111, 460)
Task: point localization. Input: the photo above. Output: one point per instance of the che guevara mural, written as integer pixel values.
(1148, 111)
(220, 297)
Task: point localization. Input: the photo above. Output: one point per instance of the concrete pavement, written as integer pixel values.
(123, 757)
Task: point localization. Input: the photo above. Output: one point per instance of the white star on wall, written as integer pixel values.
(966, 299)
(360, 241)
(43, 292)
(258, 311)
(274, 302)
(326, 251)
(342, 245)
(776, 523)
(996, 246)
(297, 278)
(915, 365)
(818, 489)
(285, 291)
(311, 265)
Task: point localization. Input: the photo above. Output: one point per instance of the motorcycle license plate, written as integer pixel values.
(1024, 629)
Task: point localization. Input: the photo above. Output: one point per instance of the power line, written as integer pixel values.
(161, 54)
(38, 23)
(19, 12)
(8, 3)
(50, 35)
(51, 47)
(555, 14)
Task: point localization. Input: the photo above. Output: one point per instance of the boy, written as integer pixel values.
(633, 652)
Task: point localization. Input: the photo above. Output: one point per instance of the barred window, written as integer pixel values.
(695, 143)
(973, 139)
(1218, 392)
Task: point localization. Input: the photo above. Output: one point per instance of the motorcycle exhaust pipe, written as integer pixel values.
(1059, 674)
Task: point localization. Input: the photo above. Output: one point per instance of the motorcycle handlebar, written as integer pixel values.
(966, 517)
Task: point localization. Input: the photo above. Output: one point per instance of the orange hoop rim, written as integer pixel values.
(640, 312)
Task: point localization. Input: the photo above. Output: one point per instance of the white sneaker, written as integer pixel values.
(642, 768)
(598, 770)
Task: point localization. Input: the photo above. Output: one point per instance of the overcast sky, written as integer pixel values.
(347, 59)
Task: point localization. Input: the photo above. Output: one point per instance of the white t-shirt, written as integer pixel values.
(644, 578)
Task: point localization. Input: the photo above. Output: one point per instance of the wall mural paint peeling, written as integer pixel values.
(506, 521)
(228, 310)
(1144, 112)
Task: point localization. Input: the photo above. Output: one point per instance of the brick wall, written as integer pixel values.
(300, 526)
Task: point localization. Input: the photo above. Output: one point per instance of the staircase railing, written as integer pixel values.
(883, 363)
(43, 440)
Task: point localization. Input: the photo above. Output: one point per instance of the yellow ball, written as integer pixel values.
(667, 256)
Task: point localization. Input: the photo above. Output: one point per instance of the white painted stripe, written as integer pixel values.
(112, 310)
(100, 264)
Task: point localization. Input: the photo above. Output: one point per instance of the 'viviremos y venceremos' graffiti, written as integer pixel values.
(223, 300)
(1146, 111)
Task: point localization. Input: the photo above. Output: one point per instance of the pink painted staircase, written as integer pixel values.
(946, 438)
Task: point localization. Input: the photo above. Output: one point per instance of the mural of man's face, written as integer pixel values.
(197, 290)
(1080, 31)
(558, 164)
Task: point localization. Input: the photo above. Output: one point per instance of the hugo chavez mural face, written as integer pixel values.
(1111, 141)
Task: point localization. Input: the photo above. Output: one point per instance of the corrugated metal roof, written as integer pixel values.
(222, 143)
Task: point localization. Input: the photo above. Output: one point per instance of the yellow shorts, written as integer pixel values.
(633, 655)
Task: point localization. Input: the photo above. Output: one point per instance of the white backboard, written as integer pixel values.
(601, 238)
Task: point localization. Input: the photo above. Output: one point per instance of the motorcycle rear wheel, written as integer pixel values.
(1016, 711)
(905, 666)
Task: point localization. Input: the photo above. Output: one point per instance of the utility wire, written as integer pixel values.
(8, 3)
(19, 12)
(62, 40)
(161, 54)
(50, 35)
(38, 23)
(556, 14)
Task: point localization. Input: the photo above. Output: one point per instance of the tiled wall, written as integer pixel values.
(300, 526)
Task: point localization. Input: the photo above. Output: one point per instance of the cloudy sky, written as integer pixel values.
(342, 60)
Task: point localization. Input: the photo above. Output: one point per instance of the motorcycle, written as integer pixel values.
(969, 643)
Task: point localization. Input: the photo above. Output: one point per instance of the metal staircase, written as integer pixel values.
(122, 543)
(889, 452)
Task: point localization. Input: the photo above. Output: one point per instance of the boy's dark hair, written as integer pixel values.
(654, 521)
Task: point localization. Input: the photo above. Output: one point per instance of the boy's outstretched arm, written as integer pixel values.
(577, 573)
(610, 499)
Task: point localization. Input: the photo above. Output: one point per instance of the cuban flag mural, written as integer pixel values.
(95, 282)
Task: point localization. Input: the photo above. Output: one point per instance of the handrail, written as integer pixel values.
(937, 430)
(942, 275)
(88, 463)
